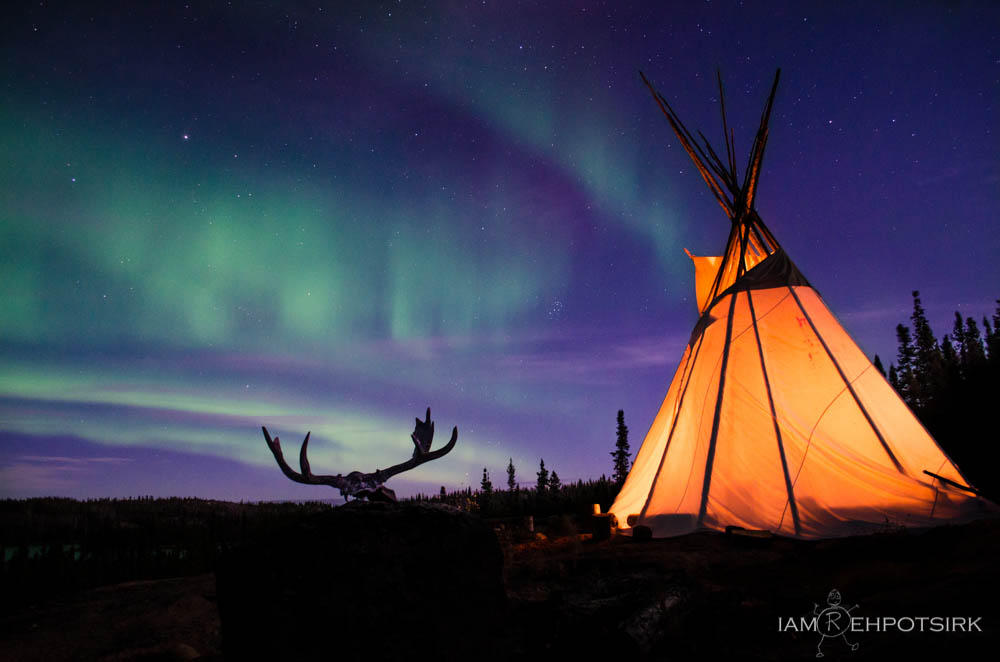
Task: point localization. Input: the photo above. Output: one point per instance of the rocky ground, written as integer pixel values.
(167, 619)
(713, 596)
(700, 596)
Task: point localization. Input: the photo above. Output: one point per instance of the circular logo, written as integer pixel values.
(833, 621)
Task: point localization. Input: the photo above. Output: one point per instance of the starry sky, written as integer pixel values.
(328, 216)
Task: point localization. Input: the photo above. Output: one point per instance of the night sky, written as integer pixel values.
(327, 218)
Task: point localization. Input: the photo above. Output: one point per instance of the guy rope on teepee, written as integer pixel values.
(775, 419)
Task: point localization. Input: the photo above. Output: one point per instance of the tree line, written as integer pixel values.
(548, 495)
(952, 385)
(53, 545)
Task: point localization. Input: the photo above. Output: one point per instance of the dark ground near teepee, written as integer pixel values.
(701, 596)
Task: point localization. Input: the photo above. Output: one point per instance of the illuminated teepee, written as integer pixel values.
(775, 419)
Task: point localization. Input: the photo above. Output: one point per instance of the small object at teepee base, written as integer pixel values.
(775, 420)
(603, 525)
(642, 533)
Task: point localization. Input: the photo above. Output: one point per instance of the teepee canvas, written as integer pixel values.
(775, 419)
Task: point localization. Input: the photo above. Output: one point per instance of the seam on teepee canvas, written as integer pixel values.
(789, 488)
(697, 432)
(692, 358)
(716, 422)
(847, 383)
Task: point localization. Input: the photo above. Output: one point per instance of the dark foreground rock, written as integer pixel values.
(365, 581)
(714, 596)
(143, 621)
(704, 596)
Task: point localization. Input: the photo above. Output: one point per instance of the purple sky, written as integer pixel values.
(328, 218)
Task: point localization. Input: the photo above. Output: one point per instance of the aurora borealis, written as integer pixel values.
(222, 215)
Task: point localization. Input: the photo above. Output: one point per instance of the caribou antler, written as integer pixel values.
(365, 485)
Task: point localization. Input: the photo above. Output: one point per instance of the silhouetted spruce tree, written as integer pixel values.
(485, 496)
(952, 370)
(894, 377)
(621, 453)
(511, 478)
(543, 477)
(958, 335)
(975, 351)
(554, 482)
(989, 339)
(948, 350)
(878, 365)
(928, 366)
(904, 365)
(993, 342)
